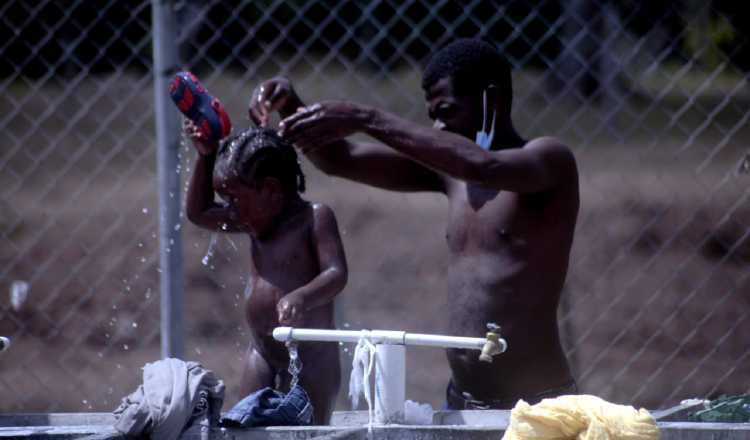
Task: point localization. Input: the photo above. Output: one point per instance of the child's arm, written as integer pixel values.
(333, 272)
(200, 206)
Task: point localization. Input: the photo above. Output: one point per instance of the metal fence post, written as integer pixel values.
(168, 143)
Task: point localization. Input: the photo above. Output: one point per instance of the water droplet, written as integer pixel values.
(171, 195)
(19, 293)
(197, 351)
(85, 402)
(143, 259)
(135, 324)
(171, 241)
(144, 210)
(119, 367)
(346, 325)
(341, 344)
(140, 244)
(148, 293)
(101, 355)
(346, 349)
(106, 335)
(177, 227)
(125, 347)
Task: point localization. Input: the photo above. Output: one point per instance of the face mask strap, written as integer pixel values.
(484, 111)
(484, 139)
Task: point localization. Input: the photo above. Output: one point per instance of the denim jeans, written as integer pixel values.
(268, 407)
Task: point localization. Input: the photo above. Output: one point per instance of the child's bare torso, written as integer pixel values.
(280, 263)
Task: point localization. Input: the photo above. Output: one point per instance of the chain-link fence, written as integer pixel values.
(652, 97)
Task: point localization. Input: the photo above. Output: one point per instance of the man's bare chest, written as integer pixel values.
(491, 220)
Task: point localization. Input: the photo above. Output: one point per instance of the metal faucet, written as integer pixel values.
(494, 345)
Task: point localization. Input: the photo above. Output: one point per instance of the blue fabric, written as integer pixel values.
(268, 407)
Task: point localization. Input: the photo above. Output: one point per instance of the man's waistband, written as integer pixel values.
(459, 400)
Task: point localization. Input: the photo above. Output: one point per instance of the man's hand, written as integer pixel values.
(291, 310)
(199, 139)
(323, 123)
(275, 94)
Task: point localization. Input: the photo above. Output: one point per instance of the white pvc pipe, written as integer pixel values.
(284, 334)
(390, 361)
(390, 383)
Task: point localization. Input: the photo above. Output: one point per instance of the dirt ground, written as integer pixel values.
(655, 308)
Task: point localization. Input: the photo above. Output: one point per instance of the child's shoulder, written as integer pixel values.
(322, 214)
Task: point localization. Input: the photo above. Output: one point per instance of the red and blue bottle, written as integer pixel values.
(194, 101)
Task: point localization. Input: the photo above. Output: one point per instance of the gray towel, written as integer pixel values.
(173, 394)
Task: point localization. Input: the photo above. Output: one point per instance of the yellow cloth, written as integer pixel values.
(579, 417)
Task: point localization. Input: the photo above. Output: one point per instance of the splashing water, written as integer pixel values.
(248, 289)
(210, 251)
(19, 293)
(295, 363)
(231, 243)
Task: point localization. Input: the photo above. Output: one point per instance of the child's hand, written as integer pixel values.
(291, 309)
(200, 141)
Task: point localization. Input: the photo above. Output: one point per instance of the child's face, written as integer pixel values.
(253, 205)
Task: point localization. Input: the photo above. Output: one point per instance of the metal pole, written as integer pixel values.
(167, 149)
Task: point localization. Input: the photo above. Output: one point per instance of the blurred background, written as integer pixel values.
(652, 97)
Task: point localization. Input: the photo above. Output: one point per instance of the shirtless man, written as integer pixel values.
(513, 208)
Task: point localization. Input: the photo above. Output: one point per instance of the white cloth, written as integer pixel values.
(362, 363)
(172, 392)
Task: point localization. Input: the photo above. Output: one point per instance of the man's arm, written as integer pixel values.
(374, 164)
(539, 166)
(367, 163)
(333, 271)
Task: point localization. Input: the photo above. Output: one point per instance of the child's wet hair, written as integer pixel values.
(257, 153)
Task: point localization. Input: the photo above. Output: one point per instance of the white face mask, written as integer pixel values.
(484, 139)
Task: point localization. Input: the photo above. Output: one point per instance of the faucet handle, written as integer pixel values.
(494, 345)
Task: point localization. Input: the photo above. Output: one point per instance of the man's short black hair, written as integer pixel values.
(472, 65)
(257, 153)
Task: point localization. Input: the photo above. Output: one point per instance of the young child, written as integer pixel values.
(297, 263)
